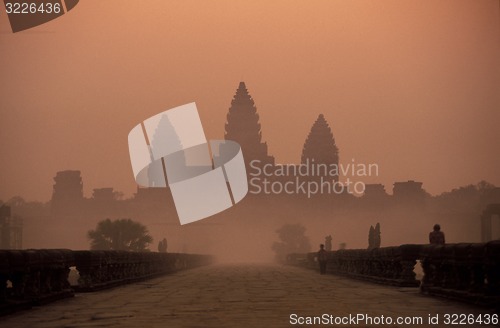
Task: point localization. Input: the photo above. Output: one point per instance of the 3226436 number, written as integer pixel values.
(32, 8)
(464, 319)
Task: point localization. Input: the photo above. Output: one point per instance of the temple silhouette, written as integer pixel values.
(67, 193)
(474, 205)
(242, 126)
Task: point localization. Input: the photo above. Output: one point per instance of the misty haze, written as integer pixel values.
(278, 195)
(369, 136)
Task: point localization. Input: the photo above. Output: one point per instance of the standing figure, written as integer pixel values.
(322, 258)
(436, 237)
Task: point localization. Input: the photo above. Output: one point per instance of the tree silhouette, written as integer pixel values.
(293, 240)
(374, 237)
(16, 201)
(121, 234)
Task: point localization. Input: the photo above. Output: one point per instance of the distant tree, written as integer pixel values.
(465, 199)
(121, 234)
(292, 240)
(16, 201)
(374, 237)
(377, 238)
(162, 245)
(371, 234)
(484, 186)
(118, 195)
(25, 208)
(328, 243)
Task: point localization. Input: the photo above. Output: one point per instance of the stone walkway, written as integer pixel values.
(238, 296)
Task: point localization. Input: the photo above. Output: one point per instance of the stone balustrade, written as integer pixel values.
(387, 265)
(103, 269)
(33, 277)
(466, 272)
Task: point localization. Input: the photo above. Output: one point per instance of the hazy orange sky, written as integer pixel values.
(411, 85)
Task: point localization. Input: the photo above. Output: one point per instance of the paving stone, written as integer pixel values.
(235, 296)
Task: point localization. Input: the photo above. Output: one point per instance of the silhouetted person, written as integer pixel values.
(328, 243)
(436, 237)
(322, 258)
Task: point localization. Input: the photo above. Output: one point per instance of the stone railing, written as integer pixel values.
(103, 269)
(467, 272)
(387, 265)
(33, 277)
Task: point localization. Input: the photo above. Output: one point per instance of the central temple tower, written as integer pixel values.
(243, 127)
(319, 147)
